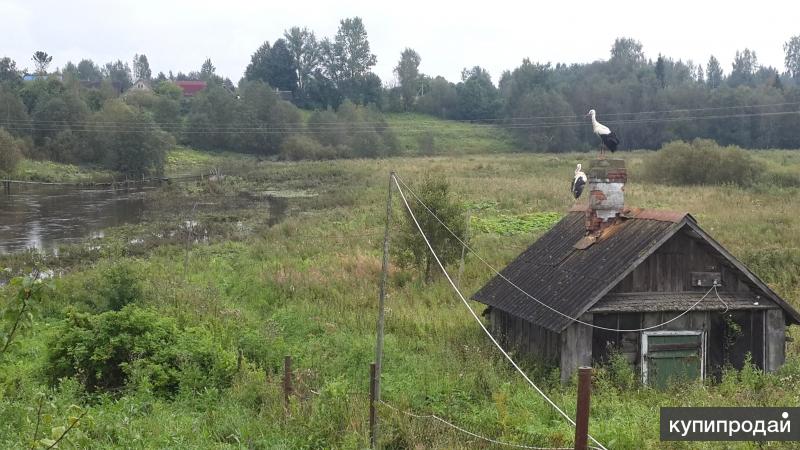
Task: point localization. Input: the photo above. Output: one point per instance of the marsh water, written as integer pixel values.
(43, 217)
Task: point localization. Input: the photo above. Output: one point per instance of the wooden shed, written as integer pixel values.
(622, 268)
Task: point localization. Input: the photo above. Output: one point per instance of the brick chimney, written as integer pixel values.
(606, 185)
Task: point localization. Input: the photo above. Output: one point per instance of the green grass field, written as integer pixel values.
(308, 287)
(449, 137)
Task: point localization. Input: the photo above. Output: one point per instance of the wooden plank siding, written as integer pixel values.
(524, 337)
(670, 267)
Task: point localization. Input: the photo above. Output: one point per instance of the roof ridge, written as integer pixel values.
(662, 215)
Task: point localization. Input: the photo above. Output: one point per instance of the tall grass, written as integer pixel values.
(308, 287)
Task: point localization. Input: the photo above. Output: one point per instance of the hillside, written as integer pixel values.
(449, 137)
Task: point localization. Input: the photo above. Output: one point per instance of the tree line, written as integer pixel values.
(88, 113)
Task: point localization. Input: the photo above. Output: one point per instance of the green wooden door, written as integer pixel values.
(673, 357)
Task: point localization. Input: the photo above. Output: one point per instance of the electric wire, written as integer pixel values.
(477, 319)
(361, 127)
(470, 121)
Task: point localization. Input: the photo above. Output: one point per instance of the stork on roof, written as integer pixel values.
(578, 182)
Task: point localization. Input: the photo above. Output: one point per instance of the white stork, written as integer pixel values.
(609, 138)
(578, 182)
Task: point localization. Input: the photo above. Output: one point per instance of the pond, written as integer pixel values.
(43, 217)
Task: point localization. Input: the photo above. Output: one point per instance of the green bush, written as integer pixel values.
(122, 286)
(10, 152)
(702, 161)
(300, 147)
(106, 351)
(620, 372)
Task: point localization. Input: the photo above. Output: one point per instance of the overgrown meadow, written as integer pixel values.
(168, 335)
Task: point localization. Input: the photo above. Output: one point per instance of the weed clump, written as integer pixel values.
(515, 224)
(106, 351)
(703, 162)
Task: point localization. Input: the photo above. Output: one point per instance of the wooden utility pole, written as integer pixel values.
(381, 307)
(582, 415)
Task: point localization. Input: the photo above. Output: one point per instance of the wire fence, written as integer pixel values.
(450, 424)
(470, 433)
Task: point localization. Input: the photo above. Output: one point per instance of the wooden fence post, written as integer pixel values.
(375, 378)
(287, 381)
(464, 249)
(582, 414)
(372, 413)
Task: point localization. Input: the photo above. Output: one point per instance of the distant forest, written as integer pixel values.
(89, 113)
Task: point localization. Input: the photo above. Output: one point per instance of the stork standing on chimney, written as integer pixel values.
(578, 182)
(608, 137)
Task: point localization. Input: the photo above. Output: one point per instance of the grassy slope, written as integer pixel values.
(450, 137)
(307, 287)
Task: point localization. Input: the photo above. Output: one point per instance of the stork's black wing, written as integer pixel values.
(577, 186)
(610, 140)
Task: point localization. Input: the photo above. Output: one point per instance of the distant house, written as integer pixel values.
(644, 272)
(190, 88)
(34, 77)
(140, 85)
(284, 95)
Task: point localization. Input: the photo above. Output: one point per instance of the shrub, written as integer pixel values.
(140, 153)
(10, 152)
(300, 147)
(702, 161)
(105, 351)
(411, 249)
(620, 372)
(122, 286)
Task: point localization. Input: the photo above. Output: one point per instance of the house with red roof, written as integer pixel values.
(192, 87)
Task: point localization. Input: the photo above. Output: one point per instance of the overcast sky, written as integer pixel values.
(179, 35)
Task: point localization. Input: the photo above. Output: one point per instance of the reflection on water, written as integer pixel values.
(43, 217)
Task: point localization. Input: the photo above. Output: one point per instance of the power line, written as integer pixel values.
(567, 316)
(267, 130)
(478, 120)
(477, 319)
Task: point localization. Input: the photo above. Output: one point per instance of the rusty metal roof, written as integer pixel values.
(678, 301)
(571, 280)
